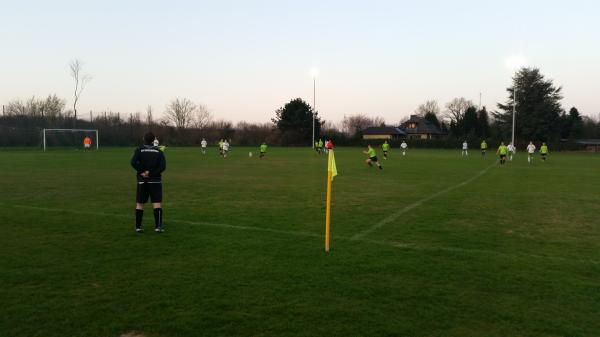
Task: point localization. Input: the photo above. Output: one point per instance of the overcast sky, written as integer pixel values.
(244, 59)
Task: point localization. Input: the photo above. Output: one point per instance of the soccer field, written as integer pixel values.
(433, 245)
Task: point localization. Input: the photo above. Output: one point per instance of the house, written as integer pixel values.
(383, 133)
(591, 145)
(419, 128)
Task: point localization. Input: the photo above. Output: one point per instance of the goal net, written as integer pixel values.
(70, 138)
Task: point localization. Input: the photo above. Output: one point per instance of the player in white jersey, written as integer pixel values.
(511, 151)
(225, 148)
(404, 146)
(465, 149)
(155, 142)
(203, 144)
(530, 152)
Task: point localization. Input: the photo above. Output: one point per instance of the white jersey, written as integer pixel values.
(530, 148)
(511, 148)
(203, 143)
(226, 146)
(403, 145)
(155, 142)
(465, 146)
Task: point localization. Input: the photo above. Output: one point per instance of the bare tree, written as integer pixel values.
(455, 109)
(81, 80)
(202, 117)
(329, 127)
(429, 106)
(180, 112)
(51, 107)
(354, 124)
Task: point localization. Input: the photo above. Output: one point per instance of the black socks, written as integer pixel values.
(158, 214)
(139, 214)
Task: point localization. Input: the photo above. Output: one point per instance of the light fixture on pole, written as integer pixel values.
(314, 72)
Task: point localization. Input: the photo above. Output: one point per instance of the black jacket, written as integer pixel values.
(149, 158)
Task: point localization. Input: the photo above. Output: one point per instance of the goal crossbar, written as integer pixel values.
(71, 130)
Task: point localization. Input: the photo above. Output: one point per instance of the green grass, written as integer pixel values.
(515, 251)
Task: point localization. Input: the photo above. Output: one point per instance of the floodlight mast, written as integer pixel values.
(314, 73)
(314, 107)
(514, 112)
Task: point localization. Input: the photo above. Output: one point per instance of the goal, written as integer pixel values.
(68, 137)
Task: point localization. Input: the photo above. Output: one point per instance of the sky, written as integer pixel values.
(245, 59)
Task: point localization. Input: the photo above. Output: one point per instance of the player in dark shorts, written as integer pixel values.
(502, 151)
(372, 157)
(150, 163)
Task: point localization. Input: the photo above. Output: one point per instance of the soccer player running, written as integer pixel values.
(502, 151)
(317, 148)
(530, 152)
(203, 145)
(385, 147)
(484, 147)
(320, 146)
(511, 151)
(544, 151)
(404, 146)
(263, 150)
(225, 148)
(372, 157)
(149, 163)
(465, 149)
(221, 147)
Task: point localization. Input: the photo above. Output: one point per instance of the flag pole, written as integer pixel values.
(328, 205)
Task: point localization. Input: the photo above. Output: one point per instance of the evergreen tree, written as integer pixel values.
(575, 122)
(470, 121)
(483, 123)
(295, 120)
(538, 107)
(432, 118)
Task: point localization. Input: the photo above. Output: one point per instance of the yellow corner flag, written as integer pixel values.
(331, 172)
(331, 165)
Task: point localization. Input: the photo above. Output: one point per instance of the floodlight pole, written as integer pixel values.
(314, 109)
(514, 112)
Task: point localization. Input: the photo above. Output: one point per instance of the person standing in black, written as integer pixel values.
(150, 163)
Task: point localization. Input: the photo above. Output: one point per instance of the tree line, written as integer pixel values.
(539, 117)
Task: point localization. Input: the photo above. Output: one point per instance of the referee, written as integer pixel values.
(149, 162)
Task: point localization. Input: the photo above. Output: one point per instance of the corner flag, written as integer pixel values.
(331, 172)
(331, 165)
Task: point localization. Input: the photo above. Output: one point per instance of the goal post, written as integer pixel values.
(47, 135)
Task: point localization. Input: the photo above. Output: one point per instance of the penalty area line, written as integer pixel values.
(396, 215)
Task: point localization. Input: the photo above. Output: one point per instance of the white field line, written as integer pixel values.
(360, 235)
(399, 245)
(187, 222)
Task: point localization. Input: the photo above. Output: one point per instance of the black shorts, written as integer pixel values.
(373, 159)
(385, 152)
(149, 189)
(502, 156)
(543, 154)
